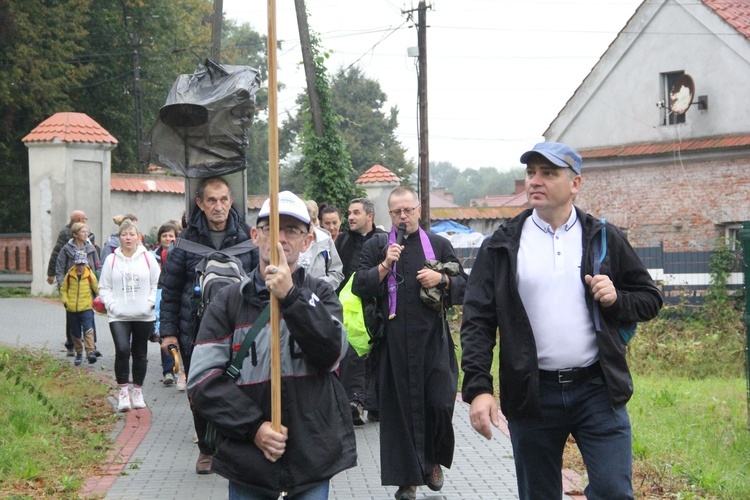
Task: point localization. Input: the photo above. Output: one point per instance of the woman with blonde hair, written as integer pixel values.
(130, 276)
(114, 240)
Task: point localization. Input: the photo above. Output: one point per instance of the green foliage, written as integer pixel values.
(78, 56)
(326, 162)
(368, 131)
(47, 452)
(718, 306)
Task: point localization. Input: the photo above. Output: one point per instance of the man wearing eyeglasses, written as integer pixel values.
(316, 440)
(355, 369)
(215, 224)
(418, 373)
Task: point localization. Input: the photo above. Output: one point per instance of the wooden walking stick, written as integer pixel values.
(273, 189)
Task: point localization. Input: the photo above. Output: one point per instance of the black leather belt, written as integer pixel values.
(568, 375)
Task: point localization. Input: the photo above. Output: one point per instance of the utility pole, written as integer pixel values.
(424, 147)
(135, 41)
(307, 62)
(216, 29)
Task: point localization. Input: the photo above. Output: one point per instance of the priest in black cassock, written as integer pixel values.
(418, 370)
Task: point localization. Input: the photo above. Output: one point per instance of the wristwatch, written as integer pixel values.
(443, 282)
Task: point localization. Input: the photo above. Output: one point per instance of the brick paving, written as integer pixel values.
(154, 454)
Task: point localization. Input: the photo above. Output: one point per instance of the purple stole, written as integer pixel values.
(429, 254)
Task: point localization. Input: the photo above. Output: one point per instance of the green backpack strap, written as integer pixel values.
(233, 370)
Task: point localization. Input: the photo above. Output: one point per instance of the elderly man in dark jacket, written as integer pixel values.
(216, 225)
(316, 439)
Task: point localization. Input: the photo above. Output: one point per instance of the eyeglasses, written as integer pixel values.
(291, 232)
(407, 211)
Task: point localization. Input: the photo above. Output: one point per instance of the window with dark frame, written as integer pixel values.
(667, 82)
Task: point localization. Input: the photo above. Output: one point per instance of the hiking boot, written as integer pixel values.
(138, 401)
(97, 353)
(79, 359)
(358, 413)
(406, 493)
(92, 358)
(181, 382)
(71, 352)
(203, 465)
(169, 379)
(434, 479)
(123, 403)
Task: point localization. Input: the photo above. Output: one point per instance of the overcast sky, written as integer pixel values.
(498, 71)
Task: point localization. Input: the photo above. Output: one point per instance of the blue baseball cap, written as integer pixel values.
(557, 153)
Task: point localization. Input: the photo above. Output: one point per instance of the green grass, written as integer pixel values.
(55, 423)
(7, 292)
(692, 435)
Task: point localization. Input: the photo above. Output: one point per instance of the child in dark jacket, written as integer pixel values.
(79, 287)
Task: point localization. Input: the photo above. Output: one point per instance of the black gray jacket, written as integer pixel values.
(178, 275)
(492, 302)
(314, 405)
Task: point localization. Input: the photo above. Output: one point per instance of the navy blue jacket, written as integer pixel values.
(178, 275)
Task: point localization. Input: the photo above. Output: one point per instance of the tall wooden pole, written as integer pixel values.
(216, 29)
(424, 146)
(309, 65)
(273, 189)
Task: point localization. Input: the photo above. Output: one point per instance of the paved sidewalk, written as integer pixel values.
(154, 454)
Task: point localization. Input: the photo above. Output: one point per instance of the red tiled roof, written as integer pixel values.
(464, 213)
(378, 173)
(255, 201)
(146, 184)
(69, 127)
(736, 13)
(668, 147)
(502, 200)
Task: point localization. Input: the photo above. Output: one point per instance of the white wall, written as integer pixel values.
(152, 209)
(616, 104)
(64, 177)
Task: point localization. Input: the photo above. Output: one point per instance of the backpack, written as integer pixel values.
(364, 320)
(217, 269)
(626, 331)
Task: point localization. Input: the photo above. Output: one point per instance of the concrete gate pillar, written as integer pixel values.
(69, 169)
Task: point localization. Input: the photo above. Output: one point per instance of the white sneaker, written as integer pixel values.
(138, 401)
(123, 403)
(181, 382)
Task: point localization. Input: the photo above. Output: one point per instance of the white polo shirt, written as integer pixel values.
(549, 282)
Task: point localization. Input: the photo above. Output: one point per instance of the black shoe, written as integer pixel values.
(79, 359)
(92, 358)
(406, 493)
(71, 352)
(358, 413)
(434, 479)
(373, 416)
(97, 354)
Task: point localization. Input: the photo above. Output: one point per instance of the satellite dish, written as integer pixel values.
(681, 94)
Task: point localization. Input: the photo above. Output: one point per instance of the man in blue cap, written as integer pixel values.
(541, 281)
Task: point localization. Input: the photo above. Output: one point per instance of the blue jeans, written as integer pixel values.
(602, 433)
(241, 492)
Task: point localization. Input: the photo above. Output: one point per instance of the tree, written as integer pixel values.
(367, 130)
(473, 183)
(41, 45)
(368, 133)
(325, 160)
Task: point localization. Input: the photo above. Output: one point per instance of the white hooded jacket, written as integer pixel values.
(128, 285)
